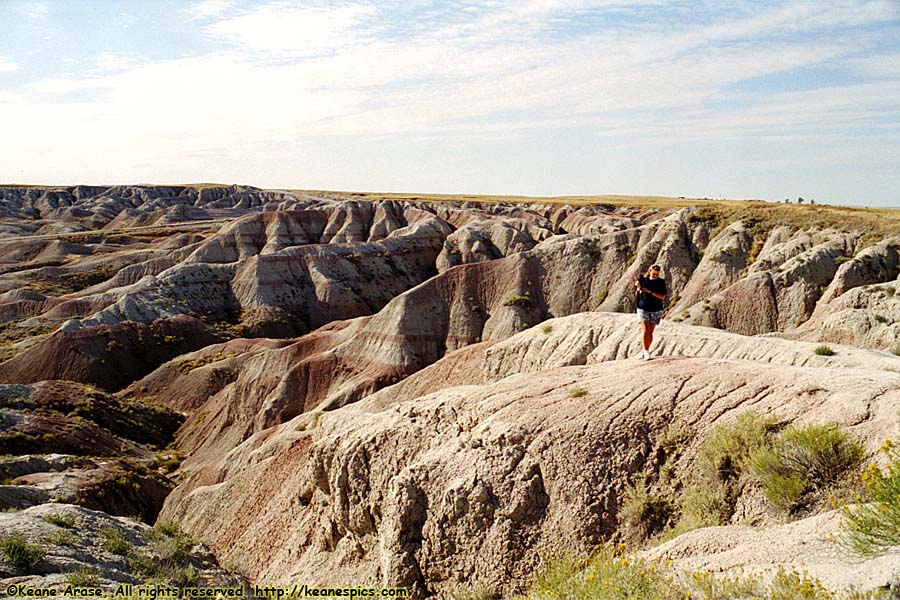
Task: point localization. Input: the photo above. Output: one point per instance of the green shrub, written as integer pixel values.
(704, 506)
(547, 328)
(168, 529)
(803, 460)
(881, 319)
(20, 553)
(608, 575)
(83, 577)
(873, 528)
(170, 542)
(605, 576)
(645, 512)
(60, 519)
(523, 300)
(824, 351)
(577, 392)
(143, 564)
(113, 541)
(186, 577)
(61, 537)
(728, 447)
(896, 351)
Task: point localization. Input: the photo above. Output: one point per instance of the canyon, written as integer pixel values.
(421, 391)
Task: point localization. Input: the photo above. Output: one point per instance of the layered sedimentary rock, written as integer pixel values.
(406, 392)
(75, 540)
(473, 483)
(67, 442)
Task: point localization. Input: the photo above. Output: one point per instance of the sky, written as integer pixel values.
(719, 99)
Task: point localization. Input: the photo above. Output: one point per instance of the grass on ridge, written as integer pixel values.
(610, 575)
(872, 526)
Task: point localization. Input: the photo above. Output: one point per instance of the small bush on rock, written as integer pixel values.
(113, 541)
(60, 520)
(170, 542)
(824, 351)
(518, 300)
(872, 527)
(609, 575)
(61, 537)
(83, 577)
(20, 553)
(645, 512)
(728, 447)
(803, 460)
(704, 506)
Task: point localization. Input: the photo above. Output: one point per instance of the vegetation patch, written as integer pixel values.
(577, 392)
(113, 541)
(824, 351)
(728, 448)
(803, 460)
(186, 366)
(167, 556)
(610, 575)
(83, 577)
(518, 300)
(646, 512)
(872, 525)
(60, 519)
(702, 506)
(794, 468)
(709, 498)
(23, 555)
(170, 542)
(64, 282)
(62, 537)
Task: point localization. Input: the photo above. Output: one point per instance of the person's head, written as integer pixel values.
(653, 272)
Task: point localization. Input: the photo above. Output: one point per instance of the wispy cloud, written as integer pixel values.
(630, 72)
(109, 61)
(287, 30)
(207, 8)
(7, 65)
(33, 10)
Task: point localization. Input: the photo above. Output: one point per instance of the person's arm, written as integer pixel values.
(656, 295)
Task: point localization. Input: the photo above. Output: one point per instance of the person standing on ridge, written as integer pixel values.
(651, 291)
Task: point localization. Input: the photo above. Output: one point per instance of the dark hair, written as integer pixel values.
(652, 268)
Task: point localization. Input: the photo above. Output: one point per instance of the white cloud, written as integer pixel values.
(63, 85)
(114, 62)
(282, 29)
(10, 98)
(7, 65)
(483, 74)
(208, 8)
(33, 10)
(886, 64)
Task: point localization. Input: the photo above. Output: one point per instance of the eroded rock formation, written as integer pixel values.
(404, 392)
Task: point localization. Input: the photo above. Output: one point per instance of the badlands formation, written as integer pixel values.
(432, 393)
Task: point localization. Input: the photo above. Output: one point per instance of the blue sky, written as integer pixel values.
(546, 97)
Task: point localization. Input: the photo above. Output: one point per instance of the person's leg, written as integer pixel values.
(648, 334)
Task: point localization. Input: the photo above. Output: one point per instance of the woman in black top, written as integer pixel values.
(651, 291)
